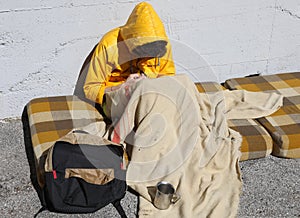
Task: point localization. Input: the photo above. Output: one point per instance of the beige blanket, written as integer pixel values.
(175, 134)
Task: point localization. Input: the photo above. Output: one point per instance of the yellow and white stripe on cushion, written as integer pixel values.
(50, 118)
(256, 142)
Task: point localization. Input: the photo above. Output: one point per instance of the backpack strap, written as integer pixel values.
(40, 211)
(118, 206)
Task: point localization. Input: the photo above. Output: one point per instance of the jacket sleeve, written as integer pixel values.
(98, 75)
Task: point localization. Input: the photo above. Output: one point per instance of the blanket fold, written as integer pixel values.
(242, 104)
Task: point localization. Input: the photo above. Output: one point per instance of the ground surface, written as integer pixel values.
(271, 185)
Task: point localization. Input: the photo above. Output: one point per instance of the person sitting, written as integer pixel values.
(128, 53)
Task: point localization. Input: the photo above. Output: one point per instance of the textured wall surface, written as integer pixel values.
(44, 43)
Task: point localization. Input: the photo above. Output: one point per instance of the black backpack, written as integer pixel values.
(80, 173)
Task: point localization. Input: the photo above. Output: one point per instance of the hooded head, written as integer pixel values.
(144, 32)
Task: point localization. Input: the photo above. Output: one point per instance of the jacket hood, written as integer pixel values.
(143, 26)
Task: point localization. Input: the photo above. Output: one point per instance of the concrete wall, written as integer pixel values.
(44, 43)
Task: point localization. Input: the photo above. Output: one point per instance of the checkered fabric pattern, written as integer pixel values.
(283, 125)
(257, 143)
(209, 87)
(50, 118)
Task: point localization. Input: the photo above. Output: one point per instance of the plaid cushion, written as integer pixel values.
(209, 87)
(51, 118)
(256, 142)
(284, 125)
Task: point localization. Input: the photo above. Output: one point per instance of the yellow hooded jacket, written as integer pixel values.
(113, 60)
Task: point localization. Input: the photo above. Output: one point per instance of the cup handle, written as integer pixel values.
(176, 197)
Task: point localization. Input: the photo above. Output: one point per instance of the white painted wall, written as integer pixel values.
(44, 43)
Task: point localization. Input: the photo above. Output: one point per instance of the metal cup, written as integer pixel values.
(165, 195)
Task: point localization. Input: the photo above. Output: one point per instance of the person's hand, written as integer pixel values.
(133, 78)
